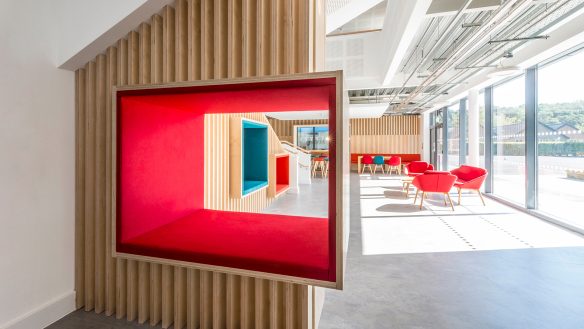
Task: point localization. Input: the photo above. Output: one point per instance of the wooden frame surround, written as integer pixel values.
(339, 145)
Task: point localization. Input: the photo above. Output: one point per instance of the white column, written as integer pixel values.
(425, 136)
(473, 127)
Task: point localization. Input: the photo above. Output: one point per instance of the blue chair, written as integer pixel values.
(378, 161)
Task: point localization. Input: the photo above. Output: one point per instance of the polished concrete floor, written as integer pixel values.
(508, 288)
(311, 200)
(496, 268)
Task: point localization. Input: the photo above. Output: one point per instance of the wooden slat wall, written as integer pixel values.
(194, 39)
(388, 134)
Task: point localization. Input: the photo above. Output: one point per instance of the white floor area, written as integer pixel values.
(392, 224)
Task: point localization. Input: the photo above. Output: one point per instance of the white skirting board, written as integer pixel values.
(45, 314)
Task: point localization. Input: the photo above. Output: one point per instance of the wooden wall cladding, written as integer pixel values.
(388, 134)
(192, 40)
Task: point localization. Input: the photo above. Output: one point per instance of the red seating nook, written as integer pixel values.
(405, 158)
(469, 178)
(160, 185)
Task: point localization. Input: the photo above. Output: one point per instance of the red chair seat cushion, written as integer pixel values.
(289, 245)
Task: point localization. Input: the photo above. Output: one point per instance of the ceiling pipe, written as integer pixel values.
(547, 12)
(503, 14)
(537, 37)
(447, 31)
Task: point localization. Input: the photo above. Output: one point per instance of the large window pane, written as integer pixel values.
(312, 137)
(509, 140)
(439, 139)
(560, 139)
(482, 129)
(453, 136)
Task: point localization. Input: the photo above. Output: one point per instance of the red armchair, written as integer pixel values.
(434, 182)
(394, 162)
(469, 178)
(416, 168)
(367, 161)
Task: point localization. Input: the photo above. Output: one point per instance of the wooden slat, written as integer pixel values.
(121, 264)
(193, 299)
(207, 39)
(181, 40)
(233, 301)
(90, 117)
(110, 265)
(155, 294)
(194, 39)
(206, 300)
(100, 192)
(156, 71)
(143, 291)
(80, 103)
(219, 301)
(167, 296)
(180, 297)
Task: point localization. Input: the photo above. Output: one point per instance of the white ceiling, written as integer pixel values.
(423, 55)
(355, 111)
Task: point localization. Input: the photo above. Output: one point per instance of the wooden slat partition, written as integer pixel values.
(388, 134)
(194, 39)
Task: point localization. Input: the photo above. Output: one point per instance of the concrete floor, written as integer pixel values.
(518, 288)
(514, 288)
(311, 200)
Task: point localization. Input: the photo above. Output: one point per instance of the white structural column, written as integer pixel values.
(473, 127)
(425, 136)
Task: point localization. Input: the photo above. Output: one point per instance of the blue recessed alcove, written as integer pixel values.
(254, 156)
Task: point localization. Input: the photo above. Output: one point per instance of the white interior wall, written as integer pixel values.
(37, 166)
(81, 22)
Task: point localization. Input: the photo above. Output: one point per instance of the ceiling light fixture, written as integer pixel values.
(504, 71)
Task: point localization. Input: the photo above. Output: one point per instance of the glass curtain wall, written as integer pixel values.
(439, 139)
(453, 137)
(482, 129)
(509, 140)
(560, 138)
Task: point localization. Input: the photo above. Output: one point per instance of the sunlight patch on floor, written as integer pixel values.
(392, 224)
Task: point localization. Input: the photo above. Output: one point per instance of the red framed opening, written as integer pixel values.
(160, 181)
(282, 172)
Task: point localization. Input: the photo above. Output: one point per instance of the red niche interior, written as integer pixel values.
(160, 182)
(282, 172)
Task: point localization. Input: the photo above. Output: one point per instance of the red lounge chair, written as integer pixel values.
(393, 163)
(367, 161)
(416, 168)
(469, 178)
(434, 182)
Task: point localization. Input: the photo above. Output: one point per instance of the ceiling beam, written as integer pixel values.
(451, 7)
(348, 12)
(402, 20)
